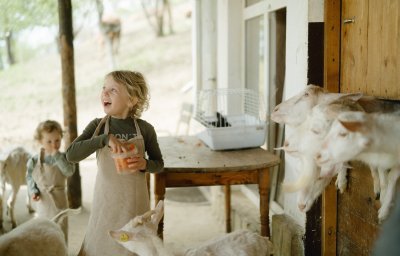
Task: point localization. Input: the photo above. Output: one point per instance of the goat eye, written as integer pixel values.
(306, 94)
(315, 131)
(343, 134)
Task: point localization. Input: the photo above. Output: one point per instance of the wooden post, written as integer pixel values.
(68, 93)
(332, 28)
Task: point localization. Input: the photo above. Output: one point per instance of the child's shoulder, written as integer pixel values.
(95, 122)
(143, 124)
(33, 160)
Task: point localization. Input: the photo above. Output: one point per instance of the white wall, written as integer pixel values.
(222, 34)
(299, 13)
(296, 80)
(229, 61)
(204, 51)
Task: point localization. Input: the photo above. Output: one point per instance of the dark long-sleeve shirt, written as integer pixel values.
(85, 145)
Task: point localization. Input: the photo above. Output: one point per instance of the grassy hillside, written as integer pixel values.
(31, 91)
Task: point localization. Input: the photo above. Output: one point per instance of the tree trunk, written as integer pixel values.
(167, 8)
(1, 62)
(160, 17)
(68, 93)
(10, 54)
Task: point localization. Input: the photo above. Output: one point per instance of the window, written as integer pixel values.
(264, 71)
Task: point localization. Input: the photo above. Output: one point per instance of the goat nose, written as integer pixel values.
(301, 207)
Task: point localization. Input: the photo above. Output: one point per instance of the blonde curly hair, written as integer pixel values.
(47, 126)
(136, 86)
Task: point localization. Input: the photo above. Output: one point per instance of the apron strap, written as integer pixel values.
(41, 156)
(138, 132)
(104, 120)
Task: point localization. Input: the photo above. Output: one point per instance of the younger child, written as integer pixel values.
(118, 197)
(47, 173)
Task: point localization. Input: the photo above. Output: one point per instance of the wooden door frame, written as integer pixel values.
(332, 26)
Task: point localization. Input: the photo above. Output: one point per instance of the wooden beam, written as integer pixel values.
(332, 14)
(332, 45)
(68, 93)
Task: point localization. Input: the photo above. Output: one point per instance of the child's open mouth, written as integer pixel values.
(106, 103)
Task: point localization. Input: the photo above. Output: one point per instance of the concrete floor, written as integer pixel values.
(187, 224)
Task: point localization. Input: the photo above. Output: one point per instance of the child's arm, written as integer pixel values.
(85, 145)
(67, 168)
(31, 184)
(155, 162)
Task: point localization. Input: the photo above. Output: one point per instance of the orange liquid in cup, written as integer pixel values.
(121, 159)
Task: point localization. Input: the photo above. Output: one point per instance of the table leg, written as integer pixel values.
(159, 193)
(263, 187)
(228, 208)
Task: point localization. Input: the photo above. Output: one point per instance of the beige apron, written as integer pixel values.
(52, 186)
(117, 199)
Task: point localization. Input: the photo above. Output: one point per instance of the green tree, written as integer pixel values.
(18, 15)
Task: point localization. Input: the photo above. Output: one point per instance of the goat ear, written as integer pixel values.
(121, 236)
(159, 212)
(330, 97)
(352, 96)
(352, 126)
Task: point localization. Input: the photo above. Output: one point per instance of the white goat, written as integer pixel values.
(13, 172)
(306, 143)
(237, 243)
(296, 112)
(140, 236)
(371, 138)
(36, 237)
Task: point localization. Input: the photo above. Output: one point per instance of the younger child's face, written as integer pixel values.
(115, 99)
(51, 141)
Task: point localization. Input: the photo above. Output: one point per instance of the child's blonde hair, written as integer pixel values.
(47, 126)
(137, 88)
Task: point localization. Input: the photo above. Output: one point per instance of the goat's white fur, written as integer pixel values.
(140, 236)
(305, 142)
(371, 138)
(36, 237)
(294, 110)
(13, 171)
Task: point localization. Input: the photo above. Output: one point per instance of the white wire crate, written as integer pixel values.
(232, 118)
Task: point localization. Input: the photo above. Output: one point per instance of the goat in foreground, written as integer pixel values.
(36, 237)
(140, 236)
(13, 171)
(371, 138)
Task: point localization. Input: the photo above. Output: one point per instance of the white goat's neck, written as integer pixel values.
(151, 247)
(384, 147)
(383, 134)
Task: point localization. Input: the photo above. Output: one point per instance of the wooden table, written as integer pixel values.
(188, 162)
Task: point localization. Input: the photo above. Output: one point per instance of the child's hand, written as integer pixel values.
(137, 162)
(35, 197)
(116, 145)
